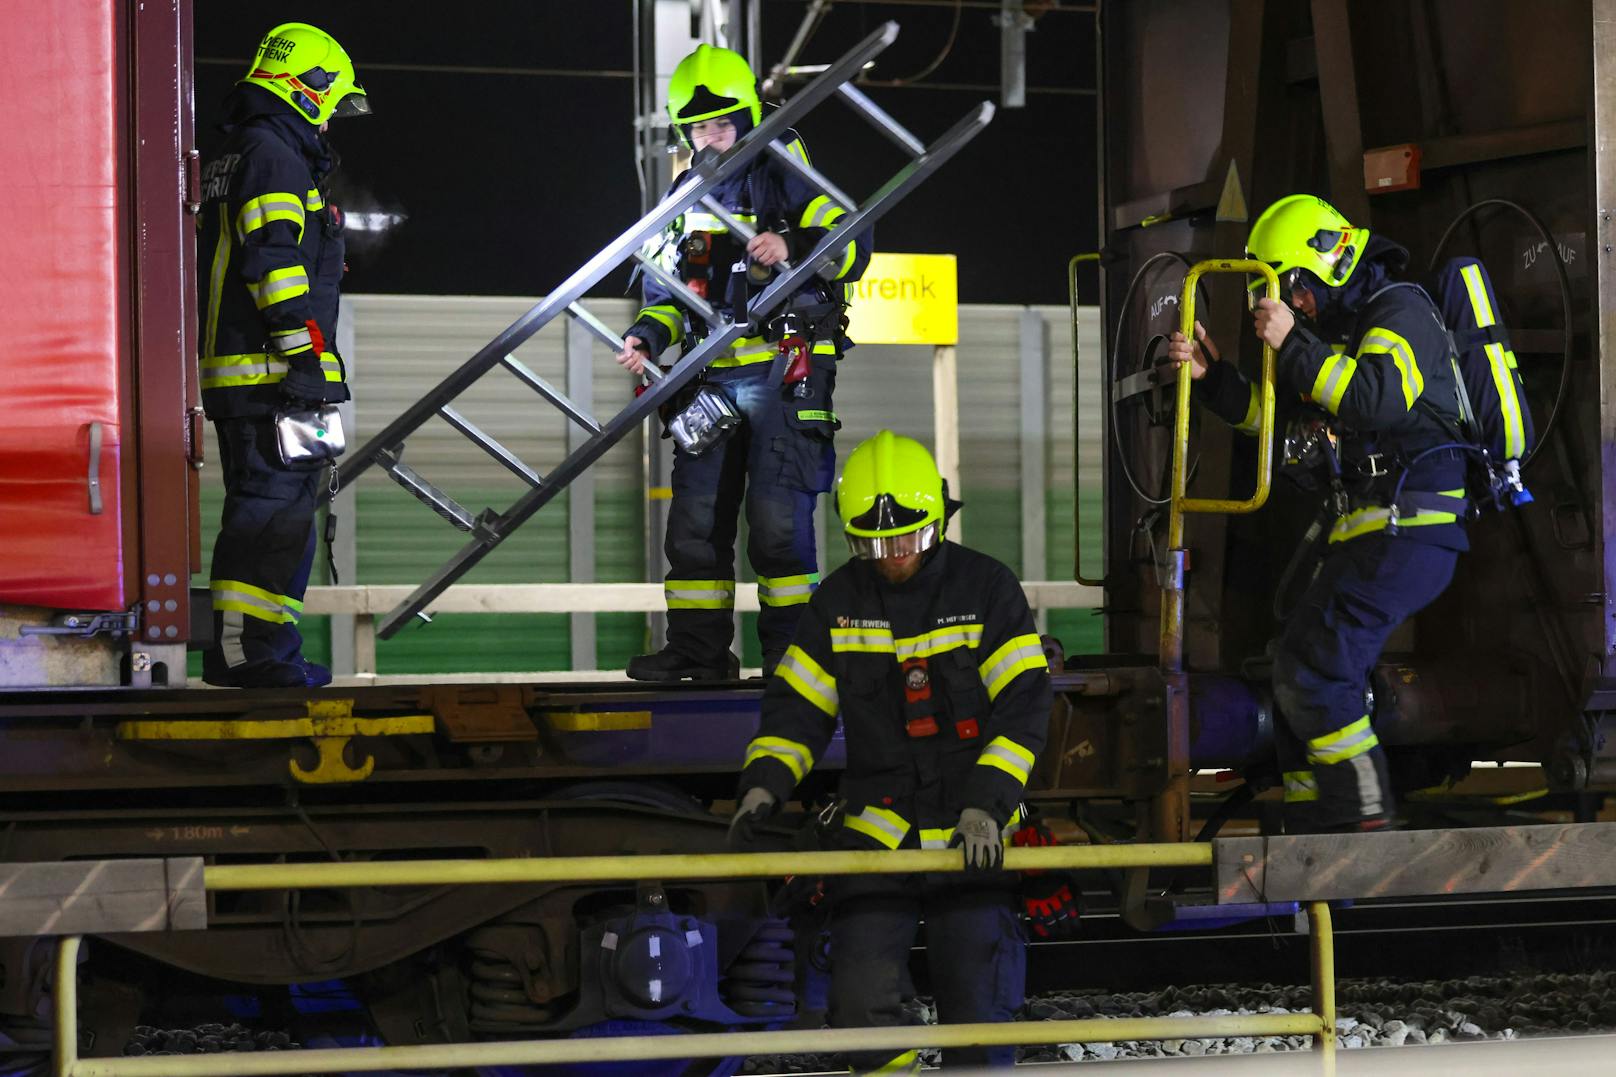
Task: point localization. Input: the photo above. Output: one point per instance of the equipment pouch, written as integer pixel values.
(709, 418)
(307, 439)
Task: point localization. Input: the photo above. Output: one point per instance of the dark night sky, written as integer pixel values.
(510, 177)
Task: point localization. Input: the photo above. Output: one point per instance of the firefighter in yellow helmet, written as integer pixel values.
(927, 653)
(779, 459)
(271, 266)
(1369, 358)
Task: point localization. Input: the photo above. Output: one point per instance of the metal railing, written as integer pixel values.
(1320, 1023)
(367, 602)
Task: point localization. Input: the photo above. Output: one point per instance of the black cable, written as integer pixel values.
(937, 61)
(1110, 361)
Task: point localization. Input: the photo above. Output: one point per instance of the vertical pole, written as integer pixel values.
(1013, 26)
(345, 546)
(1034, 384)
(1321, 938)
(66, 997)
(581, 493)
(945, 425)
(1602, 230)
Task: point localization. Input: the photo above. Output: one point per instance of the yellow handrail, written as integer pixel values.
(575, 869)
(1265, 414)
(1171, 647)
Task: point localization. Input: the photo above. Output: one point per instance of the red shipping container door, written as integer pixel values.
(61, 435)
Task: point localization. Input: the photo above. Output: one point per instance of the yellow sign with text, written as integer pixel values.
(906, 299)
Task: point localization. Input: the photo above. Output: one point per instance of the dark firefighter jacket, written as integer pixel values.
(271, 264)
(1389, 384)
(770, 197)
(958, 632)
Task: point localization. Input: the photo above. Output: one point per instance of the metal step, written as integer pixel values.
(429, 495)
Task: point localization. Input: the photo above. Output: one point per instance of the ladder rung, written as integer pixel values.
(602, 332)
(732, 222)
(877, 115)
(679, 288)
(550, 393)
(491, 447)
(814, 177)
(429, 495)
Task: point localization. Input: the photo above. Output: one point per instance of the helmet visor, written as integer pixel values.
(910, 542)
(353, 104)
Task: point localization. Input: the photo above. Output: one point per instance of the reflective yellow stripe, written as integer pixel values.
(1346, 743)
(1375, 518)
(847, 260)
(939, 640)
(1021, 654)
(221, 263)
(798, 150)
(1008, 756)
(808, 678)
(279, 206)
(257, 368)
(314, 200)
(1300, 785)
(279, 285)
(936, 837)
(1249, 424)
(1499, 364)
(669, 317)
(292, 341)
(787, 590)
(820, 213)
(245, 598)
(906, 1063)
(880, 641)
(698, 221)
(1380, 341)
(885, 826)
(1331, 384)
(794, 756)
(749, 350)
(862, 640)
(330, 366)
(700, 594)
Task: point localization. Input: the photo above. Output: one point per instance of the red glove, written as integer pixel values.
(1047, 899)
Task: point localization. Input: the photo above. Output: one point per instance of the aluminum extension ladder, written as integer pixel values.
(489, 528)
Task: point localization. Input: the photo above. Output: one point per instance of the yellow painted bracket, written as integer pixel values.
(329, 723)
(1265, 413)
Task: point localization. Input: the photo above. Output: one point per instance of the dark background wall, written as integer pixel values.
(503, 135)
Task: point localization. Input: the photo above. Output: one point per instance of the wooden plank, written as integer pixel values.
(102, 897)
(1406, 863)
(592, 598)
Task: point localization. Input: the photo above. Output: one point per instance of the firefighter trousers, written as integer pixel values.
(264, 552)
(1334, 768)
(975, 953)
(776, 464)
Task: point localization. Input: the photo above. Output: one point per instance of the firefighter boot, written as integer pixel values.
(670, 665)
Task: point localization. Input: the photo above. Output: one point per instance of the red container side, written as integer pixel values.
(61, 292)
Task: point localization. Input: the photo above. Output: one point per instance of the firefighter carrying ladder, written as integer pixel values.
(489, 528)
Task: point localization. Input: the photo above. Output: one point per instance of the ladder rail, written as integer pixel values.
(638, 409)
(780, 289)
(702, 180)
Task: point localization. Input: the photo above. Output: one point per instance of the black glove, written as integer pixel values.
(757, 804)
(980, 837)
(309, 388)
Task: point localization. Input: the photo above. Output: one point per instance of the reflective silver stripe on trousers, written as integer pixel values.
(230, 639)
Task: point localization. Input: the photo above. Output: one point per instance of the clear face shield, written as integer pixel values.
(904, 545)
